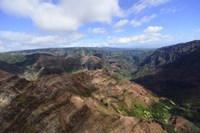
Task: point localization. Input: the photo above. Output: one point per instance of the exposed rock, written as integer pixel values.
(71, 103)
(182, 125)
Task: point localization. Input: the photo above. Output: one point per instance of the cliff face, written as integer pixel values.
(173, 72)
(170, 54)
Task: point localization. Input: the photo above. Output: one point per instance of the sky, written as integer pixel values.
(35, 24)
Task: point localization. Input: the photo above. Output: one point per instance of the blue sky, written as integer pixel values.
(32, 24)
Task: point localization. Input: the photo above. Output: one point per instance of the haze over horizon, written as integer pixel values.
(35, 24)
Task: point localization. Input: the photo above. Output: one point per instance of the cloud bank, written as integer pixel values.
(150, 34)
(18, 41)
(65, 15)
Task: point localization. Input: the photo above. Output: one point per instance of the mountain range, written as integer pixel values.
(101, 90)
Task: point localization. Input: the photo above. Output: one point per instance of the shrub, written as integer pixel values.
(137, 110)
(160, 112)
(23, 101)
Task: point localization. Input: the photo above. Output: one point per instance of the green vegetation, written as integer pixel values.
(136, 110)
(12, 58)
(159, 112)
(32, 75)
(142, 72)
(104, 103)
(85, 93)
(117, 77)
(28, 129)
(169, 128)
(77, 71)
(73, 90)
(23, 101)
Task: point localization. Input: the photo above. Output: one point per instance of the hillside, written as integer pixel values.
(173, 72)
(10, 68)
(83, 102)
(4, 74)
(39, 64)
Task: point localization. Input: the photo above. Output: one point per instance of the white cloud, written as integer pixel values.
(150, 35)
(118, 25)
(119, 30)
(90, 43)
(145, 4)
(142, 21)
(97, 30)
(153, 29)
(121, 23)
(66, 15)
(143, 38)
(18, 41)
(198, 30)
(168, 10)
(135, 22)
